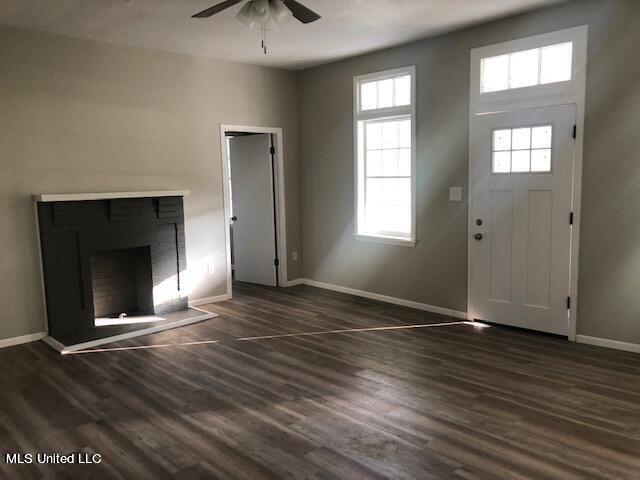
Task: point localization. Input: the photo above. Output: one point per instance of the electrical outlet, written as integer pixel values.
(294, 256)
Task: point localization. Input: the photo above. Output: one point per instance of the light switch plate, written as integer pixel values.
(455, 194)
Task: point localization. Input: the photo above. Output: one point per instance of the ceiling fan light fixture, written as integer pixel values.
(280, 12)
(246, 15)
(260, 10)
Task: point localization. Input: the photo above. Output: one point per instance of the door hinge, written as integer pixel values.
(276, 262)
(571, 218)
(568, 303)
(575, 131)
(273, 150)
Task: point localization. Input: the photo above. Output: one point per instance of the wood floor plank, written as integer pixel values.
(311, 384)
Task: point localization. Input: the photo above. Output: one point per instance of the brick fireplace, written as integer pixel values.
(110, 257)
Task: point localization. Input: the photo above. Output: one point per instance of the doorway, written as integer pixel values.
(253, 186)
(521, 181)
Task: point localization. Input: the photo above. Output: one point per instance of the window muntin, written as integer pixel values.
(385, 166)
(526, 68)
(522, 149)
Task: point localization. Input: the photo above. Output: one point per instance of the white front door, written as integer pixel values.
(252, 200)
(521, 180)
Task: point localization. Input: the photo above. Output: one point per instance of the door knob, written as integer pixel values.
(234, 219)
(478, 236)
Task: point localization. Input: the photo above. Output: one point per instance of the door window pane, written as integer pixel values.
(541, 137)
(522, 150)
(541, 160)
(502, 139)
(501, 162)
(520, 160)
(521, 138)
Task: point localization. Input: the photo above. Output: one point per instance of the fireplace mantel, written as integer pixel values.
(78, 197)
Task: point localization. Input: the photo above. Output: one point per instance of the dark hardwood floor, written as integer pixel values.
(441, 402)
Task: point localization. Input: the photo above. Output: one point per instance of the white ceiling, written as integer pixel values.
(348, 27)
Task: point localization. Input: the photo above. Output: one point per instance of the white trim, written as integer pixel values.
(73, 197)
(53, 343)
(379, 297)
(207, 300)
(562, 93)
(382, 239)
(605, 342)
(64, 349)
(280, 203)
(381, 113)
(32, 337)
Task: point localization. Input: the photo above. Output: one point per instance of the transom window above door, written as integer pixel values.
(526, 68)
(385, 156)
(522, 149)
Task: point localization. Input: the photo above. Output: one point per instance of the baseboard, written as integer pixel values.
(32, 337)
(605, 342)
(379, 297)
(206, 300)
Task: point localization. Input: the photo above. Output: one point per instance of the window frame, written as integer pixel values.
(546, 94)
(360, 117)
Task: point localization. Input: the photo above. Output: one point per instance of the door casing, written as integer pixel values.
(279, 203)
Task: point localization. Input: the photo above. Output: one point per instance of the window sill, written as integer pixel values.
(385, 240)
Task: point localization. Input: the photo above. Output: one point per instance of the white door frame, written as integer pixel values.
(570, 92)
(278, 176)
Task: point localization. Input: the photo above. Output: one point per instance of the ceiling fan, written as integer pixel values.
(266, 13)
(257, 8)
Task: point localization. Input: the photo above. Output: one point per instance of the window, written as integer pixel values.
(522, 150)
(527, 68)
(384, 117)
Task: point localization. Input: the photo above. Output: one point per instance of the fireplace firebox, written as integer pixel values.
(121, 283)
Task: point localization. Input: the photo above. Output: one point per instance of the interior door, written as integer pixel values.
(254, 236)
(521, 173)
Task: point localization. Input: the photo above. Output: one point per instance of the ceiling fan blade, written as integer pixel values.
(215, 9)
(301, 12)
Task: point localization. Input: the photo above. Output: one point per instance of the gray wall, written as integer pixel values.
(85, 116)
(435, 271)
